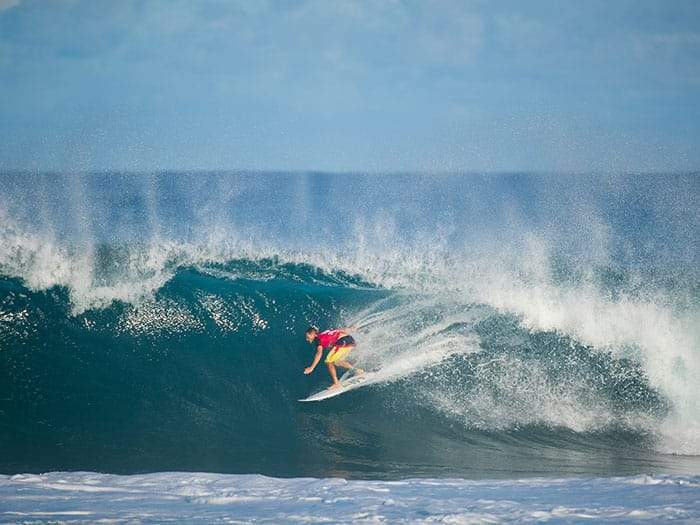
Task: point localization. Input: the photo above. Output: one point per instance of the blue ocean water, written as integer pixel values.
(518, 326)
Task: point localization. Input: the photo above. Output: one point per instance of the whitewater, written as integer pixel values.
(209, 498)
(535, 343)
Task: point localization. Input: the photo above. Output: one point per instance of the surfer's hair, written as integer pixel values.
(311, 330)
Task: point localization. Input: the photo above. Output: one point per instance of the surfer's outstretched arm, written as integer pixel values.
(317, 358)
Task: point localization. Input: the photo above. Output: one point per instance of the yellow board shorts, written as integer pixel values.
(339, 352)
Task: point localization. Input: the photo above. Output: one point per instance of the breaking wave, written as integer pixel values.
(185, 352)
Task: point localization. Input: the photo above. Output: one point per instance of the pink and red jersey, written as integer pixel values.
(328, 337)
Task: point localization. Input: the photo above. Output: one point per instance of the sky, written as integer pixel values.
(368, 86)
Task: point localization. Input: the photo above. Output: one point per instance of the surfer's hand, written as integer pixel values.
(308, 370)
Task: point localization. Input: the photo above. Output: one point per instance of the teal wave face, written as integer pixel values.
(196, 366)
(205, 376)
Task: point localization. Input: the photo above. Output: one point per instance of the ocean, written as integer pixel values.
(534, 341)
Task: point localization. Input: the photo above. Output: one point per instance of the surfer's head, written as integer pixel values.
(311, 333)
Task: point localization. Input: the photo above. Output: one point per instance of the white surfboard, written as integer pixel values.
(345, 386)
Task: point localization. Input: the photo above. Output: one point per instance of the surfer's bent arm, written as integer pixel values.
(317, 358)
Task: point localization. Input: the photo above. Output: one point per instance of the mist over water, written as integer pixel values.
(517, 323)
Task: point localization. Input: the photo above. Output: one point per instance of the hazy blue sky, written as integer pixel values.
(350, 85)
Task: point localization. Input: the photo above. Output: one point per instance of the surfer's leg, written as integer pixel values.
(347, 365)
(334, 375)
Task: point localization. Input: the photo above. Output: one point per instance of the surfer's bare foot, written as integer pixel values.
(334, 385)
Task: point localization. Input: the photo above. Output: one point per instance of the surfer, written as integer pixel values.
(340, 344)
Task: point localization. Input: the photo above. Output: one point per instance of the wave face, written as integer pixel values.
(155, 323)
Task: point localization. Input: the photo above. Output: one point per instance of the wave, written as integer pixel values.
(212, 360)
(167, 353)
